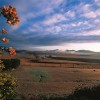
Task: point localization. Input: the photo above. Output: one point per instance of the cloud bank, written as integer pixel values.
(55, 22)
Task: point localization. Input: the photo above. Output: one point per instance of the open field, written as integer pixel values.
(54, 77)
(55, 74)
(55, 80)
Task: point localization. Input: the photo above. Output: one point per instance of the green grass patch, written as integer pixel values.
(38, 74)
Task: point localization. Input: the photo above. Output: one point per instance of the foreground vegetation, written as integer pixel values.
(79, 94)
(10, 63)
(7, 82)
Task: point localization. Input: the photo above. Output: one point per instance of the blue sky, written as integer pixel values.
(55, 24)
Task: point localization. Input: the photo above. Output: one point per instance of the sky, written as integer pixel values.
(55, 24)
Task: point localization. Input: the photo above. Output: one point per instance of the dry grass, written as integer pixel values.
(59, 76)
(59, 80)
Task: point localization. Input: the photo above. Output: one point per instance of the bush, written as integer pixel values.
(10, 63)
(86, 94)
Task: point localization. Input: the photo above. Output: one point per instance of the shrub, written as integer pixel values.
(7, 84)
(86, 94)
(10, 63)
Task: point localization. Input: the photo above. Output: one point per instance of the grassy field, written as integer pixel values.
(55, 77)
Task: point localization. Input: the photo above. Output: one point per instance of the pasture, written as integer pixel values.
(54, 76)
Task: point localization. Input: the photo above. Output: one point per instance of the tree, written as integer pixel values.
(7, 82)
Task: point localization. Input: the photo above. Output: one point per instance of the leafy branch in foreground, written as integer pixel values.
(7, 82)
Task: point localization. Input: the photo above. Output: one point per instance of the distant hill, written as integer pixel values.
(28, 53)
(70, 51)
(85, 51)
(57, 51)
(80, 51)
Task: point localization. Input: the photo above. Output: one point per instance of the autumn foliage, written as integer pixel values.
(9, 12)
(7, 82)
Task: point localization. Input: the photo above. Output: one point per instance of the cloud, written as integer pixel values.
(91, 33)
(82, 8)
(77, 24)
(54, 29)
(33, 9)
(70, 14)
(88, 10)
(92, 14)
(97, 21)
(86, 7)
(97, 2)
(55, 22)
(40, 39)
(59, 17)
(55, 19)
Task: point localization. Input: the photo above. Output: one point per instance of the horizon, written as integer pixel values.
(56, 49)
(51, 24)
(70, 47)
